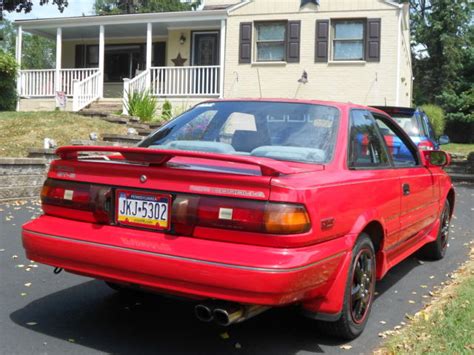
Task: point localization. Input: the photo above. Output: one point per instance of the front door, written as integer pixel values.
(205, 48)
(205, 53)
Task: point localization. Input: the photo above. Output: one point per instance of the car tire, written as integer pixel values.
(436, 250)
(359, 293)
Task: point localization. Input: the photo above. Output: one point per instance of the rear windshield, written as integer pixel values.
(277, 130)
(409, 123)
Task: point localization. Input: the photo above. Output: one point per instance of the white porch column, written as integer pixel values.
(149, 46)
(101, 60)
(222, 58)
(19, 46)
(57, 77)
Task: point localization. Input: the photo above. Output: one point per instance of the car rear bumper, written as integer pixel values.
(183, 265)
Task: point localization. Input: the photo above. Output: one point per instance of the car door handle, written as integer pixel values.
(406, 189)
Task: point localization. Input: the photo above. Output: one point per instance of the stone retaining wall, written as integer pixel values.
(21, 177)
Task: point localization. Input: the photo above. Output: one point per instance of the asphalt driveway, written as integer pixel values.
(43, 313)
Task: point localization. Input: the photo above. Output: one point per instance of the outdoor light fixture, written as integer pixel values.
(304, 78)
(182, 39)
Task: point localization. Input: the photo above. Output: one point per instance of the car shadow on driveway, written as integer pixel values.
(92, 315)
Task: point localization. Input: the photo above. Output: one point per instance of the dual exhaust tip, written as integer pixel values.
(226, 314)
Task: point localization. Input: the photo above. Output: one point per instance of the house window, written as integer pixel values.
(271, 41)
(348, 40)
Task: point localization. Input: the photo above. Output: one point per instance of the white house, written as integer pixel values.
(343, 50)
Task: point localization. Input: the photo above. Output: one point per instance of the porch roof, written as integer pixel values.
(127, 25)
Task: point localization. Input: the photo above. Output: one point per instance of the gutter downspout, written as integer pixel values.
(399, 48)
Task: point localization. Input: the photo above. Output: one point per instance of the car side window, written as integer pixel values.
(400, 150)
(428, 127)
(366, 148)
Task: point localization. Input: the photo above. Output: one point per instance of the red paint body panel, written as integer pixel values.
(236, 272)
(309, 268)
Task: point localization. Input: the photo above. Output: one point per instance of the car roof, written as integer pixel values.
(301, 101)
(396, 109)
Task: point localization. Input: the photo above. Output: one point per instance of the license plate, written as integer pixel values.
(146, 210)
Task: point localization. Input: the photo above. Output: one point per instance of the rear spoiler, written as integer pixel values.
(268, 167)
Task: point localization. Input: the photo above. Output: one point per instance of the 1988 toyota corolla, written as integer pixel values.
(250, 204)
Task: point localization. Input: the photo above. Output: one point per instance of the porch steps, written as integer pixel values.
(103, 108)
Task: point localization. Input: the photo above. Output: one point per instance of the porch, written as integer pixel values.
(171, 55)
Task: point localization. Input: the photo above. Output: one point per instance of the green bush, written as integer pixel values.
(437, 118)
(166, 111)
(459, 115)
(8, 70)
(142, 104)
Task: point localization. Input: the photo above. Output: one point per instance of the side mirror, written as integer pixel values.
(443, 140)
(437, 158)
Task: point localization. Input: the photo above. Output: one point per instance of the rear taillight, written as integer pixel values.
(93, 203)
(66, 194)
(237, 214)
(80, 197)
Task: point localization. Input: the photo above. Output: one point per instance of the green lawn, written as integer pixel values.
(447, 327)
(23, 130)
(463, 149)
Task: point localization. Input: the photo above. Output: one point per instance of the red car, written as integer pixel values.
(249, 204)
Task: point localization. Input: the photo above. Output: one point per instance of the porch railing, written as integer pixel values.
(37, 83)
(42, 82)
(139, 83)
(68, 76)
(86, 91)
(185, 81)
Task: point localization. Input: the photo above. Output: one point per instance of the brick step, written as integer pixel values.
(116, 119)
(88, 142)
(155, 125)
(144, 132)
(138, 125)
(126, 140)
(47, 154)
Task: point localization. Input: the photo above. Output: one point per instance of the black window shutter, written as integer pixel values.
(80, 56)
(373, 40)
(245, 45)
(322, 41)
(293, 41)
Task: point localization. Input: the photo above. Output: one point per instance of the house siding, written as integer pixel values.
(362, 82)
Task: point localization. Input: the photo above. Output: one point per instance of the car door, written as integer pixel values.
(375, 184)
(417, 185)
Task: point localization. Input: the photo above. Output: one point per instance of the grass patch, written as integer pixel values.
(458, 148)
(24, 130)
(445, 327)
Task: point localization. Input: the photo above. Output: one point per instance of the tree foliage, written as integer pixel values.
(8, 70)
(38, 52)
(443, 60)
(27, 5)
(115, 7)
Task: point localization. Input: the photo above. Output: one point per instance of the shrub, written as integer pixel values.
(166, 111)
(8, 70)
(142, 104)
(437, 118)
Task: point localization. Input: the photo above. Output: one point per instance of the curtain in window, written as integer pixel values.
(271, 42)
(349, 40)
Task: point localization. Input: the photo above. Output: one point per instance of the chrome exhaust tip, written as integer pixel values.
(203, 313)
(225, 317)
